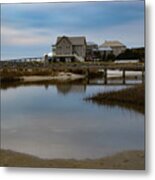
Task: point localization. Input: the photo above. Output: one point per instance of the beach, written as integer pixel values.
(60, 77)
(125, 160)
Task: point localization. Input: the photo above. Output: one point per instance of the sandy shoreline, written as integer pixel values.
(60, 77)
(133, 160)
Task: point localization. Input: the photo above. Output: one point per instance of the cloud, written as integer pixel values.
(84, 15)
(30, 29)
(15, 37)
(36, 42)
(28, 42)
(131, 34)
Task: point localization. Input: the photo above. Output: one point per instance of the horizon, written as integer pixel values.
(29, 30)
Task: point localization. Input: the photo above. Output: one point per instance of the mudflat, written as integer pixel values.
(130, 160)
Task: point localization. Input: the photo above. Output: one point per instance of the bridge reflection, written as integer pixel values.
(75, 87)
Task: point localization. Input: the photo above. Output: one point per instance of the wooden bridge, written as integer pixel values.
(124, 70)
(75, 67)
(26, 59)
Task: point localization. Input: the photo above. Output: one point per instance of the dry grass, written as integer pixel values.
(133, 97)
(10, 70)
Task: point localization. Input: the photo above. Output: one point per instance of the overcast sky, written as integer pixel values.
(31, 29)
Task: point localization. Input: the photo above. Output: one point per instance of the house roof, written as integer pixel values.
(112, 44)
(75, 40)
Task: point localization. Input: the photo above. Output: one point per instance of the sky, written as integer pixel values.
(29, 30)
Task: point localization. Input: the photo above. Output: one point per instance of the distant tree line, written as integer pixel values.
(136, 53)
(132, 54)
(104, 56)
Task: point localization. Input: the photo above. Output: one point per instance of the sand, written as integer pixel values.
(60, 77)
(131, 160)
(63, 76)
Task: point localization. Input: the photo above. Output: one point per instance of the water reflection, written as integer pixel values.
(67, 88)
(45, 123)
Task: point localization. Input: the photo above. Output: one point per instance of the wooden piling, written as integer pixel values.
(87, 72)
(105, 75)
(123, 76)
(143, 75)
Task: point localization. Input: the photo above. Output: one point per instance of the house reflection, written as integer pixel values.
(70, 88)
(46, 86)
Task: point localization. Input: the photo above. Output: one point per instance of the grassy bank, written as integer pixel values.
(11, 71)
(124, 160)
(133, 97)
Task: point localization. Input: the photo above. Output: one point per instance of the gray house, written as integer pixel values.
(91, 47)
(116, 46)
(70, 49)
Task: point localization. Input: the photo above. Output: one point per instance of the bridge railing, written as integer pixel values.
(29, 59)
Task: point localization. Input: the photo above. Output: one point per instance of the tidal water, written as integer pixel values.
(55, 122)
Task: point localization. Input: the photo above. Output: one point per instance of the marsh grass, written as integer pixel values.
(132, 98)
